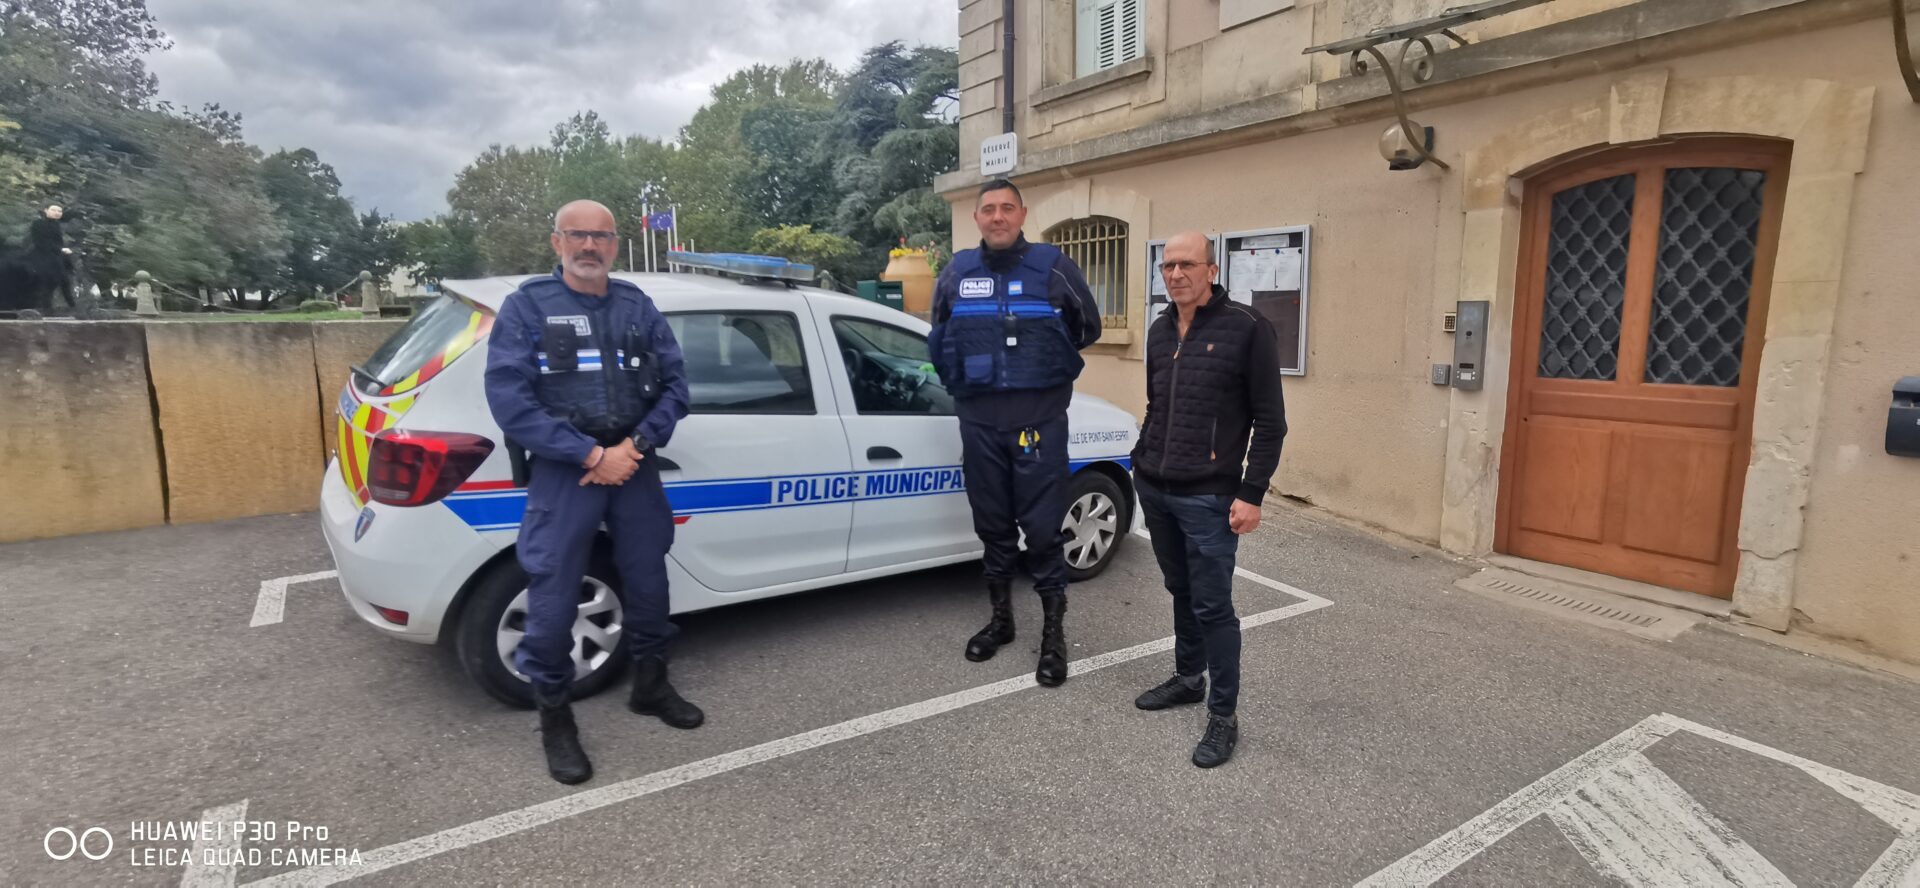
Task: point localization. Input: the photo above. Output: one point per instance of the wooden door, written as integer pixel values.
(1640, 317)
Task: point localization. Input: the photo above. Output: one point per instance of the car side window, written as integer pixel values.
(889, 369)
(744, 362)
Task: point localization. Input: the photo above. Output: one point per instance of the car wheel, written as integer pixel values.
(494, 620)
(1096, 524)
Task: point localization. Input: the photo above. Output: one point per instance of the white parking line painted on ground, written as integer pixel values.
(221, 844)
(1633, 824)
(271, 604)
(501, 825)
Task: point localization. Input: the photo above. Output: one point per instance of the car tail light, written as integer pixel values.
(417, 468)
(397, 618)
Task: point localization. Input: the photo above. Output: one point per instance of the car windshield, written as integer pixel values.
(435, 337)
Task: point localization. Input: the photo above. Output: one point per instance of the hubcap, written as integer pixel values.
(596, 628)
(1092, 523)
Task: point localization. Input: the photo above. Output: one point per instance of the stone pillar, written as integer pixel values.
(369, 297)
(143, 304)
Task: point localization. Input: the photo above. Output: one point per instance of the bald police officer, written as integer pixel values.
(584, 372)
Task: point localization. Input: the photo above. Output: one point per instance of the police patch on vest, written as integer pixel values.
(973, 288)
(579, 322)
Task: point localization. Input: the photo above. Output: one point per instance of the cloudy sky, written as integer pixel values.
(400, 94)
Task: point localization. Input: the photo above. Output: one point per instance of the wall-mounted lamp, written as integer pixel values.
(1402, 152)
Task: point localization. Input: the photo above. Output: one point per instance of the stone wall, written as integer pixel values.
(77, 446)
(116, 425)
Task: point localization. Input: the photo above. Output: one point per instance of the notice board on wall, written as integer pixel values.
(1267, 269)
(1157, 300)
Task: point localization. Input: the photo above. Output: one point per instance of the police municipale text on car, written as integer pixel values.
(820, 449)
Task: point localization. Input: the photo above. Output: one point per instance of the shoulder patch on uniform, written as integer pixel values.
(578, 322)
(974, 288)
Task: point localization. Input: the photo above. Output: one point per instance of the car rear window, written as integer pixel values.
(437, 336)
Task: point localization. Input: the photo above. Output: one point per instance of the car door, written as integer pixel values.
(757, 470)
(903, 439)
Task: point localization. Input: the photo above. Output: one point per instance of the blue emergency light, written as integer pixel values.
(744, 265)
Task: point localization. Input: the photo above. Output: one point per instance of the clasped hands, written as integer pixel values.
(612, 466)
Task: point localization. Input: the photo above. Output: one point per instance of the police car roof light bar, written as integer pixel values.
(745, 266)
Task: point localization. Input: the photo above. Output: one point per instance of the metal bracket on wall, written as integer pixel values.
(1903, 50)
(1416, 33)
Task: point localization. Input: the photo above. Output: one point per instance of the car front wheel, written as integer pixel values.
(495, 619)
(1096, 523)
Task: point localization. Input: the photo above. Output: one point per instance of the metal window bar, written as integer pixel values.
(1099, 247)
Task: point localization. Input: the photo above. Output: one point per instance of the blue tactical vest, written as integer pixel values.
(597, 367)
(1003, 333)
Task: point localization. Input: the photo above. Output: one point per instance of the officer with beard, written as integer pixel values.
(584, 372)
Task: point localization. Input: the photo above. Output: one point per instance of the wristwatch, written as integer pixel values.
(641, 443)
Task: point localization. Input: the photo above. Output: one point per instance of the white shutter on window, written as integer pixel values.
(1108, 33)
(1133, 30)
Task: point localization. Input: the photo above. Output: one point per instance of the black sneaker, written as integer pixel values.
(1170, 693)
(1216, 746)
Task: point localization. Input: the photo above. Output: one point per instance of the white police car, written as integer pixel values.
(821, 449)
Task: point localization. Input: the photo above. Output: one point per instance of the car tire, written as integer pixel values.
(477, 638)
(1091, 489)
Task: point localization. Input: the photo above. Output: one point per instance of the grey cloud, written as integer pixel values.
(399, 94)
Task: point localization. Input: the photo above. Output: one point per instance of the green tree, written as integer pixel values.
(105, 43)
(441, 248)
(24, 179)
(828, 252)
(187, 208)
(321, 225)
(732, 176)
(893, 134)
(505, 195)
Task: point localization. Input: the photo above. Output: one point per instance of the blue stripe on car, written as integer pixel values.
(493, 510)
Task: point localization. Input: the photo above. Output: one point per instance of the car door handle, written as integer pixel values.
(665, 464)
(883, 453)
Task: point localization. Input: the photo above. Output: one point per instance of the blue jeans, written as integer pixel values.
(1196, 548)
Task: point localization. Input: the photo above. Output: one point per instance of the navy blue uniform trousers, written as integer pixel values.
(1014, 489)
(556, 540)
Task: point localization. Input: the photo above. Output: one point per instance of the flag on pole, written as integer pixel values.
(660, 221)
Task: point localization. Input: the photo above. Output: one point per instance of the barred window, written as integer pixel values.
(1099, 246)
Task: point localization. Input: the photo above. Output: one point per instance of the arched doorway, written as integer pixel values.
(1639, 318)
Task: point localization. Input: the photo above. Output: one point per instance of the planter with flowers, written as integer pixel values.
(910, 268)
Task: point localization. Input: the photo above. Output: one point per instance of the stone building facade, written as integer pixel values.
(1689, 223)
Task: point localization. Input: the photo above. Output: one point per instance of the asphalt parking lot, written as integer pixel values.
(1394, 729)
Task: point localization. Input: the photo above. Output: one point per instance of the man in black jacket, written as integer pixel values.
(1210, 444)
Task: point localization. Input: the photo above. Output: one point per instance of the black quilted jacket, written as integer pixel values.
(1207, 395)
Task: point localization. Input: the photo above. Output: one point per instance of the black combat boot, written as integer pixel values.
(566, 761)
(985, 643)
(1053, 642)
(653, 695)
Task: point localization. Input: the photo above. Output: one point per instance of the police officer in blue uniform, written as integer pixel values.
(1009, 321)
(584, 373)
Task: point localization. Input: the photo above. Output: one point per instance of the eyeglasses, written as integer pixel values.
(1167, 268)
(577, 236)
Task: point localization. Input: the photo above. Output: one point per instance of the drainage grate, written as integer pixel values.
(1558, 600)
